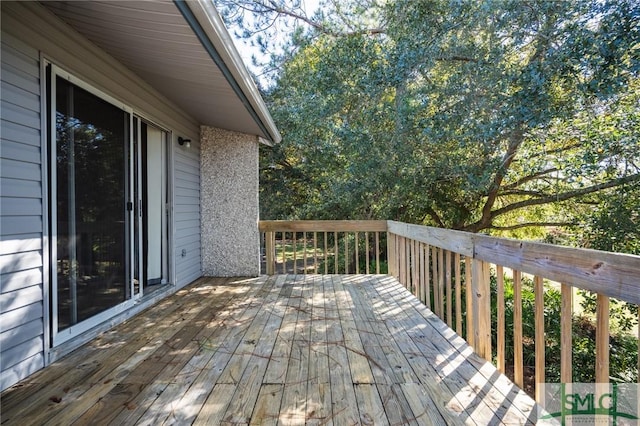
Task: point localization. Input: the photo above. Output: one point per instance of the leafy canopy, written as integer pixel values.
(493, 115)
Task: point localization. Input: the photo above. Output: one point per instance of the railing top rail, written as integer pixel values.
(612, 274)
(323, 225)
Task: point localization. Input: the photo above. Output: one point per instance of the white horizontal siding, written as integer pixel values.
(21, 370)
(17, 280)
(20, 316)
(18, 133)
(20, 334)
(187, 228)
(21, 214)
(20, 152)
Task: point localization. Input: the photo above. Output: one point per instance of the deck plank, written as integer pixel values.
(246, 393)
(78, 397)
(288, 349)
(358, 361)
(267, 409)
(343, 397)
(319, 386)
(185, 393)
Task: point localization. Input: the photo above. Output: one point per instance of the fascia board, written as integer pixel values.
(211, 23)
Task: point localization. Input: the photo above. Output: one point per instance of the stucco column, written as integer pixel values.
(229, 211)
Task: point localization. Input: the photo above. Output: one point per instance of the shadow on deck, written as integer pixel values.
(313, 349)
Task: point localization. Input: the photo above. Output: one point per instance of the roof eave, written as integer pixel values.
(211, 25)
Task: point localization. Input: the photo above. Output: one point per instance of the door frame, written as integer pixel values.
(167, 216)
(59, 337)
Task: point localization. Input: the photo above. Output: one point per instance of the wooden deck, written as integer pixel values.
(288, 349)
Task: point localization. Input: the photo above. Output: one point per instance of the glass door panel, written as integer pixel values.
(91, 208)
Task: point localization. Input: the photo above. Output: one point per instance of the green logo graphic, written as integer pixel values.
(589, 403)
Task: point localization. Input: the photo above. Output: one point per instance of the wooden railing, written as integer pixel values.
(328, 247)
(451, 272)
(430, 261)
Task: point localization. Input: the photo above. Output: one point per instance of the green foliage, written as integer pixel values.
(614, 225)
(493, 115)
(623, 345)
(336, 262)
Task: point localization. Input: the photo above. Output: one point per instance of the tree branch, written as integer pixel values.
(457, 58)
(521, 192)
(480, 224)
(515, 141)
(274, 8)
(435, 217)
(529, 225)
(555, 151)
(568, 195)
(529, 178)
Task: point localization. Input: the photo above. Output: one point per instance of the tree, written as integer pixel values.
(520, 95)
(494, 115)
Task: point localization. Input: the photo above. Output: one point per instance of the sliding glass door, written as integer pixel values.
(109, 206)
(91, 156)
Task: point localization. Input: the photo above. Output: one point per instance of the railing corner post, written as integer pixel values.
(481, 310)
(270, 252)
(391, 254)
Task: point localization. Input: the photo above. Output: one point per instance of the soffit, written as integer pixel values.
(155, 41)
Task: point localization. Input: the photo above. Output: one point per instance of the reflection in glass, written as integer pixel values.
(91, 183)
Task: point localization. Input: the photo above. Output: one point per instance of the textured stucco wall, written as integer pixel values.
(229, 191)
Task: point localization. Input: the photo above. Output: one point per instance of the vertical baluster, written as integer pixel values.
(427, 276)
(402, 248)
(346, 252)
(315, 252)
(325, 254)
(468, 291)
(518, 358)
(540, 344)
(407, 263)
(500, 349)
(295, 252)
(441, 283)
(456, 261)
(421, 285)
(335, 253)
(357, 252)
(366, 250)
(392, 255)
(566, 332)
(434, 278)
(284, 255)
(414, 267)
(378, 255)
(602, 339)
(447, 283)
(304, 253)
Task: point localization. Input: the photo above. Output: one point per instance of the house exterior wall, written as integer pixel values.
(229, 188)
(22, 218)
(29, 34)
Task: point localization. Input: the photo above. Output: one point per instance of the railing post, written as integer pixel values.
(566, 332)
(481, 308)
(270, 248)
(602, 339)
(539, 340)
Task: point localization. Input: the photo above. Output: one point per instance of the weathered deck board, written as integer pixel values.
(274, 350)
